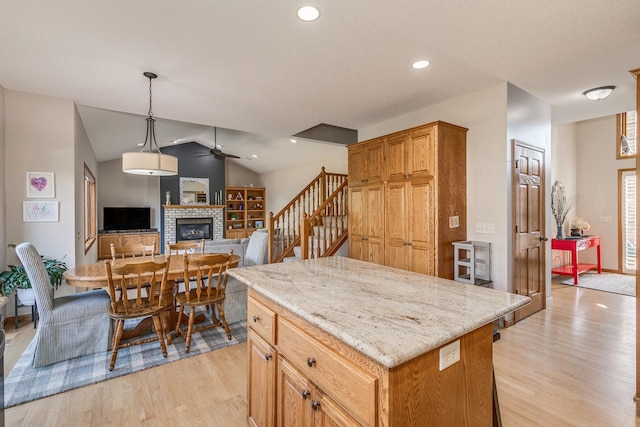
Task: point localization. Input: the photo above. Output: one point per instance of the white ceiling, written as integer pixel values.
(252, 65)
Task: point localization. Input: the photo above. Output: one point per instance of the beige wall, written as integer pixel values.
(116, 188)
(484, 113)
(597, 184)
(3, 161)
(40, 137)
(83, 155)
(238, 176)
(285, 184)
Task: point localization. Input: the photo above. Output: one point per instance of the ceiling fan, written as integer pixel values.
(216, 152)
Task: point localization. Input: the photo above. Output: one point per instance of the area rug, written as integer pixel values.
(26, 383)
(609, 282)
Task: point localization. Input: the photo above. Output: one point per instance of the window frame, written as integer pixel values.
(90, 209)
(622, 226)
(622, 125)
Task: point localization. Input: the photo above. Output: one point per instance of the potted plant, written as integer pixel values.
(16, 279)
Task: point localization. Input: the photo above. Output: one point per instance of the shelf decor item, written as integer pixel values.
(560, 207)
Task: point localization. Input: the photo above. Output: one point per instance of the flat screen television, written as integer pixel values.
(126, 218)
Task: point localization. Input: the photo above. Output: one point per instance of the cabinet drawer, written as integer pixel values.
(334, 375)
(262, 320)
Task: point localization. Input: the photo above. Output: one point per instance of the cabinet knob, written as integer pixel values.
(267, 357)
(305, 394)
(310, 361)
(256, 318)
(315, 404)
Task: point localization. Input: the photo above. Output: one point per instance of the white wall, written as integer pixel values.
(239, 176)
(3, 161)
(116, 188)
(597, 185)
(283, 185)
(83, 155)
(40, 138)
(484, 113)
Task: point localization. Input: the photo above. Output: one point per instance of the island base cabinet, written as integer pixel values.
(260, 381)
(302, 404)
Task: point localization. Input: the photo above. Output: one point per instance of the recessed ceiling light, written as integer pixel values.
(308, 13)
(598, 93)
(293, 140)
(219, 146)
(420, 64)
(139, 145)
(254, 156)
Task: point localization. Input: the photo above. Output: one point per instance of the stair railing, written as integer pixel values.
(284, 227)
(325, 230)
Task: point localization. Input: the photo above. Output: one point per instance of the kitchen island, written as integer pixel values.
(355, 343)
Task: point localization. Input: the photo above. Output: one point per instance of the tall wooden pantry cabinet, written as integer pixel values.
(407, 198)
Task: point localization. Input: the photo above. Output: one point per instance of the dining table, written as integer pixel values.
(94, 276)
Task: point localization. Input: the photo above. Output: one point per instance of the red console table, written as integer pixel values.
(574, 245)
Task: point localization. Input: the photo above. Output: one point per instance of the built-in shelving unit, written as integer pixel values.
(244, 211)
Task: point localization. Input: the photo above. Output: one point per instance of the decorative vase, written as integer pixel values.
(168, 198)
(26, 296)
(560, 234)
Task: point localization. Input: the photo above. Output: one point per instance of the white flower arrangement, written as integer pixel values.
(579, 223)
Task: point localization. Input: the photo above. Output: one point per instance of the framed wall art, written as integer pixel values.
(33, 211)
(40, 185)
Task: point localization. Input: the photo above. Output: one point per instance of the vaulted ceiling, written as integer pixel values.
(253, 66)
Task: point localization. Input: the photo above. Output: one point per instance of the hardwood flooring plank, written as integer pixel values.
(570, 365)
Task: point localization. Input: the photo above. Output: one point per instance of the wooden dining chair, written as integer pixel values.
(209, 272)
(132, 250)
(128, 301)
(185, 247)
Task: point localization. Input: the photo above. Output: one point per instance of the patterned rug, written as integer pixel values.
(609, 282)
(26, 383)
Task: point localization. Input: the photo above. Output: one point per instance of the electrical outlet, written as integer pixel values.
(485, 228)
(449, 354)
(605, 219)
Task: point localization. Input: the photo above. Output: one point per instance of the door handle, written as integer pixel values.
(543, 239)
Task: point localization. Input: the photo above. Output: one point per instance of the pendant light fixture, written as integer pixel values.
(151, 162)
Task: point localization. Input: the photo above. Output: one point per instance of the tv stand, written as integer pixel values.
(129, 237)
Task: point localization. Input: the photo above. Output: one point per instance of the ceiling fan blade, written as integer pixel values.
(230, 156)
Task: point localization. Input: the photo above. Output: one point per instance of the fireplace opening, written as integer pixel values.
(194, 228)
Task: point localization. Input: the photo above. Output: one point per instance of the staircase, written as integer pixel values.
(314, 223)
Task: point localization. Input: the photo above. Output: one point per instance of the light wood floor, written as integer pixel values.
(570, 365)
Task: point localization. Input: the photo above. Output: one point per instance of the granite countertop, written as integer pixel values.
(388, 314)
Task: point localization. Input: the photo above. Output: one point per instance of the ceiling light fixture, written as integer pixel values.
(420, 64)
(308, 13)
(293, 140)
(151, 162)
(598, 93)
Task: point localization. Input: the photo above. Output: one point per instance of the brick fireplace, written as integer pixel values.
(214, 214)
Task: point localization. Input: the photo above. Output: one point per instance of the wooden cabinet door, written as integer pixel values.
(374, 247)
(397, 225)
(327, 413)
(366, 162)
(395, 154)
(104, 244)
(357, 222)
(294, 397)
(130, 239)
(421, 228)
(261, 386)
(421, 153)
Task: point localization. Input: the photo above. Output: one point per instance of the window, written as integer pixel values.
(627, 191)
(626, 132)
(90, 217)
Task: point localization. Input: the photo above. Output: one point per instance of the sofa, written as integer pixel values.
(235, 303)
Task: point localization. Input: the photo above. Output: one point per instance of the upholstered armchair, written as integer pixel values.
(235, 304)
(70, 326)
